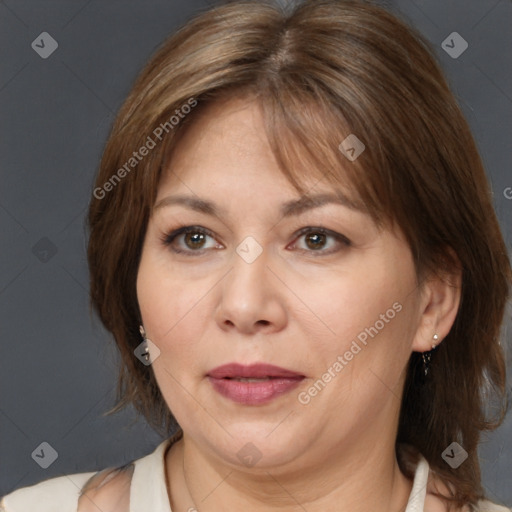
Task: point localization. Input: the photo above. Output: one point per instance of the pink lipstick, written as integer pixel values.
(253, 384)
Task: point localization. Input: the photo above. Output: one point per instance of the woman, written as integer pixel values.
(292, 241)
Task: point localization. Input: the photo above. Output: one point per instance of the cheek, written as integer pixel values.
(367, 314)
(169, 303)
(345, 305)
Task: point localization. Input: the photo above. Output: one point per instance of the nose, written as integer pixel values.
(251, 298)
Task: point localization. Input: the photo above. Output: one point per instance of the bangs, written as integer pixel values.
(306, 128)
(314, 143)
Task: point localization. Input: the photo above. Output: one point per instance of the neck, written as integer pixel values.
(356, 480)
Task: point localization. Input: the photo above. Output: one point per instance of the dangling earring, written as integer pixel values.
(145, 354)
(142, 350)
(427, 356)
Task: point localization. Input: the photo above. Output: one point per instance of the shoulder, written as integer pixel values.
(489, 506)
(109, 489)
(52, 495)
(82, 492)
(434, 503)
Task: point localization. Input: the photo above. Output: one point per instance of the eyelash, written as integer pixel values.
(169, 238)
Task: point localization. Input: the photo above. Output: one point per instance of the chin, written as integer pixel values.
(257, 445)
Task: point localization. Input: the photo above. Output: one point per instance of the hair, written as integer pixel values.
(327, 69)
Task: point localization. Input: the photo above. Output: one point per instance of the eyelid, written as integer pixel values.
(341, 239)
(169, 238)
(324, 231)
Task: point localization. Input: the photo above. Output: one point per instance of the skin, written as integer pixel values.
(294, 306)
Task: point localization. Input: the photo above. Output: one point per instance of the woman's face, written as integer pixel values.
(314, 289)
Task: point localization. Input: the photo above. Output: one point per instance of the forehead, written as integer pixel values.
(226, 146)
(227, 132)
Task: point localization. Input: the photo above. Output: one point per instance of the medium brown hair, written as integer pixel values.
(325, 70)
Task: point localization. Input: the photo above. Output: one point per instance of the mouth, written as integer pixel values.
(257, 371)
(244, 379)
(253, 384)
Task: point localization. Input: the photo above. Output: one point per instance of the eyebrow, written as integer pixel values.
(288, 209)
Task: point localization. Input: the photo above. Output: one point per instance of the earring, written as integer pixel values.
(145, 354)
(427, 356)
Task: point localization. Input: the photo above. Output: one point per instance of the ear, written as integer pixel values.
(439, 304)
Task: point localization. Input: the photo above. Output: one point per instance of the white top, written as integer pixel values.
(147, 483)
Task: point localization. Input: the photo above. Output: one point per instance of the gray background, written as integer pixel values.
(58, 370)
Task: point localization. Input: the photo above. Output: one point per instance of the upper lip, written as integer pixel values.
(257, 370)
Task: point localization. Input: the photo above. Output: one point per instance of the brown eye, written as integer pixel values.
(191, 240)
(194, 240)
(315, 241)
(320, 241)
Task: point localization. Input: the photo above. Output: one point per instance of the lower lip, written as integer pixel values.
(254, 393)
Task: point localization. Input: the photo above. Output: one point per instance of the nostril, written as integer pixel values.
(263, 322)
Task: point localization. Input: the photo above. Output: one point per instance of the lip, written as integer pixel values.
(255, 371)
(279, 381)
